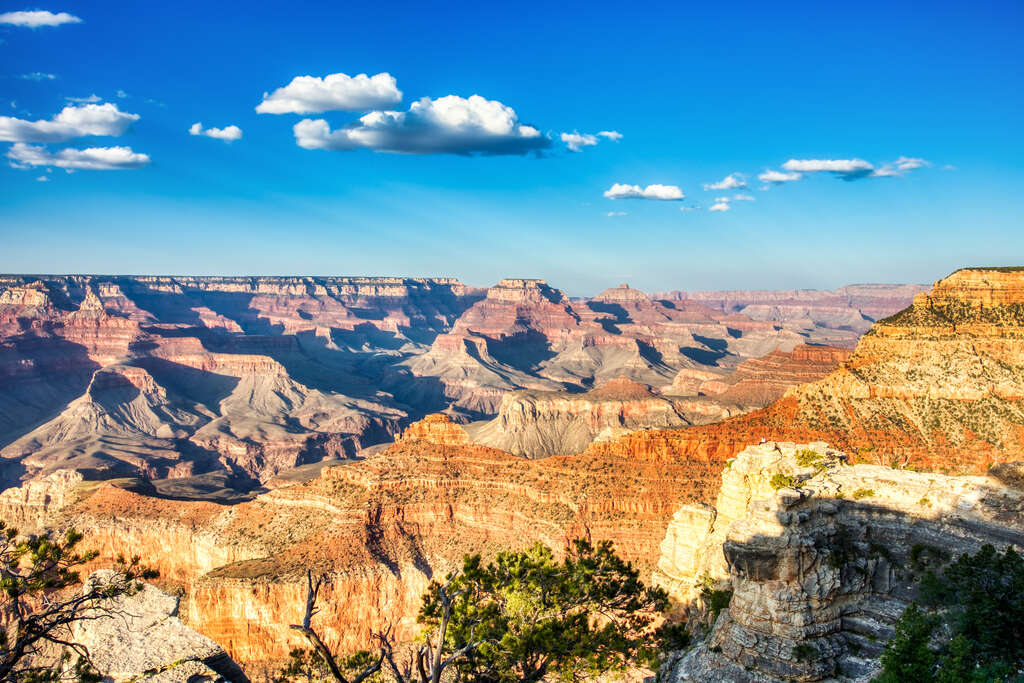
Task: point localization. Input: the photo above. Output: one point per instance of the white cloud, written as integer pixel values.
(447, 125)
(90, 159)
(900, 167)
(38, 18)
(71, 122)
(742, 198)
(721, 205)
(659, 192)
(733, 181)
(846, 169)
(777, 177)
(85, 100)
(334, 92)
(575, 141)
(612, 214)
(122, 94)
(42, 179)
(227, 134)
(37, 76)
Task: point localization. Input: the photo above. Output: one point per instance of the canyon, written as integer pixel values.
(225, 382)
(639, 418)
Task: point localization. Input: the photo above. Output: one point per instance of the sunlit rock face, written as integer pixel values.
(828, 563)
(938, 385)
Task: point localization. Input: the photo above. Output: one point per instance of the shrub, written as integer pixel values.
(782, 481)
(860, 494)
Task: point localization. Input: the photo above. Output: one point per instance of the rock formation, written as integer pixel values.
(937, 385)
(244, 378)
(381, 528)
(539, 424)
(823, 555)
(139, 637)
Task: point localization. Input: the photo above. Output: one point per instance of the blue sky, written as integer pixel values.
(697, 92)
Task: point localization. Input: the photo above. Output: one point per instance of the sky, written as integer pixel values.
(671, 145)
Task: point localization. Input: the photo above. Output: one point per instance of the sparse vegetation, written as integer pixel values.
(39, 610)
(862, 493)
(782, 481)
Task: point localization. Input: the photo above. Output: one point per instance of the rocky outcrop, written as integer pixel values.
(437, 429)
(541, 424)
(139, 637)
(821, 556)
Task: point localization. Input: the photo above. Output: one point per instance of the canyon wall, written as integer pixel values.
(828, 562)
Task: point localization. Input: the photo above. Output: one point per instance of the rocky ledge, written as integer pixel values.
(821, 557)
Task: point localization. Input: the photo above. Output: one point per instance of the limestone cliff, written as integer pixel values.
(828, 562)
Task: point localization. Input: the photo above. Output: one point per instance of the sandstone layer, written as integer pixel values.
(239, 379)
(827, 564)
(380, 528)
(937, 385)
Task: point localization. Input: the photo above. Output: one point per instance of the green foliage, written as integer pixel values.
(308, 666)
(782, 481)
(974, 630)
(860, 494)
(534, 618)
(908, 657)
(35, 573)
(808, 457)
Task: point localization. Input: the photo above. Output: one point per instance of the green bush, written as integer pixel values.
(782, 481)
(862, 493)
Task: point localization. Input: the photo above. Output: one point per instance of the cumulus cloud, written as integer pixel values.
(733, 181)
(742, 198)
(93, 98)
(334, 92)
(613, 214)
(576, 141)
(447, 125)
(721, 204)
(38, 18)
(37, 76)
(612, 135)
(90, 159)
(778, 177)
(227, 134)
(122, 94)
(659, 192)
(43, 179)
(71, 122)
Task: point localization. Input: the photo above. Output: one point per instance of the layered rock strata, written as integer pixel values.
(826, 564)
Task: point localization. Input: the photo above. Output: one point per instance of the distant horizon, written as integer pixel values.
(554, 285)
(664, 144)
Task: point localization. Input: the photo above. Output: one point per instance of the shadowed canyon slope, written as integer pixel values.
(231, 380)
